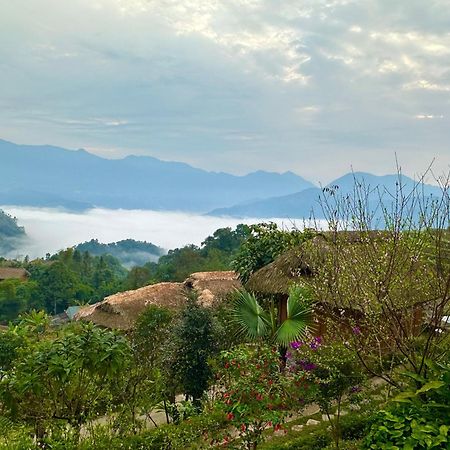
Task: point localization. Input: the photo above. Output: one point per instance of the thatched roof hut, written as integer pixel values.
(294, 266)
(121, 310)
(300, 263)
(212, 287)
(13, 273)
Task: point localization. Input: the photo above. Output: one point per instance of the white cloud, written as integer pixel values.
(50, 230)
(221, 84)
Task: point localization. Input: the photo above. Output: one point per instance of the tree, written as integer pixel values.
(388, 258)
(195, 339)
(330, 372)
(66, 379)
(264, 243)
(142, 387)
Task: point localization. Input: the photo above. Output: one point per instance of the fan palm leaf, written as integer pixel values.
(250, 317)
(299, 317)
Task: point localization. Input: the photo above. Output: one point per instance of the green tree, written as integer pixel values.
(66, 379)
(264, 243)
(195, 339)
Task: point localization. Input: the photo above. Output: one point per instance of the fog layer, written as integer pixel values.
(50, 230)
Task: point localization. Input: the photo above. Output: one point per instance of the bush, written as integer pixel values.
(353, 428)
(418, 419)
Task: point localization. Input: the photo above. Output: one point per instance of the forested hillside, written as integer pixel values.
(9, 232)
(129, 252)
(72, 277)
(56, 282)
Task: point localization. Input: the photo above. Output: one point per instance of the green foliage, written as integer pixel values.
(15, 297)
(9, 232)
(254, 392)
(194, 339)
(10, 343)
(317, 437)
(67, 278)
(255, 322)
(9, 227)
(418, 419)
(215, 253)
(128, 251)
(265, 241)
(331, 372)
(68, 378)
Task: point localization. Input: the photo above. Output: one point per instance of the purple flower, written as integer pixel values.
(356, 330)
(355, 389)
(315, 343)
(307, 366)
(296, 345)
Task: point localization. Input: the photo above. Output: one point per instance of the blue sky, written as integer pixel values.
(311, 86)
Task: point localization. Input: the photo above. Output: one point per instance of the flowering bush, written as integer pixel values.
(325, 373)
(254, 392)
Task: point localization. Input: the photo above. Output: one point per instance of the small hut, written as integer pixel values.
(320, 258)
(295, 266)
(13, 273)
(212, 287)
(120, 311)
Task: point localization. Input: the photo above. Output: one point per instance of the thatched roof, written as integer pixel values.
(293, 266)
(212, 286)
(121, 310)
(298, 264)
(7, 273)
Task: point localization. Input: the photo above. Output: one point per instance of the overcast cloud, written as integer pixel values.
(312, 86)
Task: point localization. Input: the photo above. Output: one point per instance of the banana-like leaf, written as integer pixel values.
(250, 317)
(299, 318)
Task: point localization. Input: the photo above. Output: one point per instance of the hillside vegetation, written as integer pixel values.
(9, 232)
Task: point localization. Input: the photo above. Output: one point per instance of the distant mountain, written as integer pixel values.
(129, 252)
(52, 176)
(10, 233)
(300, 205)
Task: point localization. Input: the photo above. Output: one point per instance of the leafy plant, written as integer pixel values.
(418, 419)
(257, 323)
(326, 374)
(254, 393)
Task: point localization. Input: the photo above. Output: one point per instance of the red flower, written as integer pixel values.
(230, 416)
(243, 427)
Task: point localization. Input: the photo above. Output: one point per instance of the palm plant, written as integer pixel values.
(257, 323)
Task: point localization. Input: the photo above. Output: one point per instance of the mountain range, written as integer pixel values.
(308, 202)
(48, 176)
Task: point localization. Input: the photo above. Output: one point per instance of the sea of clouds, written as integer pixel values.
(49, 230)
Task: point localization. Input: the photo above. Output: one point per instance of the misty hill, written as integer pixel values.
(10, 232)
(129, 252)
(53, 176)
(300, 205)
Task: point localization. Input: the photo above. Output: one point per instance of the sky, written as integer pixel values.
(313, 86)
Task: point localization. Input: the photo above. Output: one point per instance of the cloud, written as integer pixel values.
(50, 230)
(227, 85)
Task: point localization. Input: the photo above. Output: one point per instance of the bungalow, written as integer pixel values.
(13, 273)
(121, 310)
